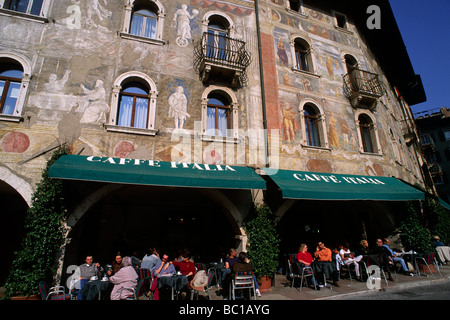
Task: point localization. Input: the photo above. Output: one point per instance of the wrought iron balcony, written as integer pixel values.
(362, 88)
(223, 58)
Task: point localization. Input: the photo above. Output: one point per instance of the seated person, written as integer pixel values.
(395, 256)
(305, 258)
(324, 263)
(243, 265)
(186, 266)
(87, 271)
(123, 279)
(437, 242)
(164, 268)
(368, 255)
(117, 263)
(386, 262)
(150, 260)
(229, 261)
(348, 259)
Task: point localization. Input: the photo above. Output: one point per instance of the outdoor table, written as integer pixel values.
(92, 289)
(216, 266)
(411, 257)
(176, 282)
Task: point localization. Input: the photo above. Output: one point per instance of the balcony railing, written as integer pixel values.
(224, 54)
(362, 88)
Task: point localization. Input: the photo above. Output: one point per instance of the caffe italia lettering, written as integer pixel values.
(333, 179)
(157, 164)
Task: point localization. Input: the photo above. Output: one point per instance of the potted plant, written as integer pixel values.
(263, 245)
(44, 234)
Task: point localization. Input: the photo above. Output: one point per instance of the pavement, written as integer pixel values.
(282, 289)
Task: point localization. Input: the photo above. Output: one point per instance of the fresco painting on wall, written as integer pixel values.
(178, 104)
(182, 23)
(290, 124)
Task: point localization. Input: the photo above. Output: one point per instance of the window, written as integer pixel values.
(133, 104)
(295, 5)
(15, 73)
(33, 7)
(217, 115)
(217, 38)
(220, 113)
(10, 80)
(367, 133)
(143, 23)
(144, 19)
(302, 55)
(311, 126)
(311, 117)
(341, 20)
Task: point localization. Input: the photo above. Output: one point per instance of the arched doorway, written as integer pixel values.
(13, 212)
(129, 219)
(335, 222)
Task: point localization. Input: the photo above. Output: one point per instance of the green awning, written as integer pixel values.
(156, 173)
(325, 186)
(444, 204)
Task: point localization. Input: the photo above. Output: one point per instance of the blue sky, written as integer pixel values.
(425, 28)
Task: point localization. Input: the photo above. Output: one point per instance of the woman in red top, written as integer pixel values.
(303, 256)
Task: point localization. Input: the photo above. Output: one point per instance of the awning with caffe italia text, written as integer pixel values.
(325, 186)
(155, 173)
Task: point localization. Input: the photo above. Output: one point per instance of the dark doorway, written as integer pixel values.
(133, 218)
(14, 209)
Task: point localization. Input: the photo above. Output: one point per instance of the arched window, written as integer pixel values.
(312, 119)
(312, 126)
(218, 117)
(351, 65)
(15, 73)
(368, 138)
(220, 113)
(144, 23)
(301, 55)
(33, 7)
(10, 81)
(133, 104)
(144, 19)
(216, 46)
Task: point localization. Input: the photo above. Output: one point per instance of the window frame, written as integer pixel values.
(135, 96)
(13, 58)
(160, 13)
(41, 17)
(372, 131)
(308, 55)
(120, 82)
(216, 108)
(233, 118)
(319, 116)
(5, 91)
(300, 10)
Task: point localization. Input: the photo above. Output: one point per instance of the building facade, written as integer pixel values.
(293, 85)
(434, 130)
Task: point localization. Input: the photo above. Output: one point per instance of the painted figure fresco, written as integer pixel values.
(97, 109)
(182, 19)
(178, 107)
(290, 125)
(56, 86)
